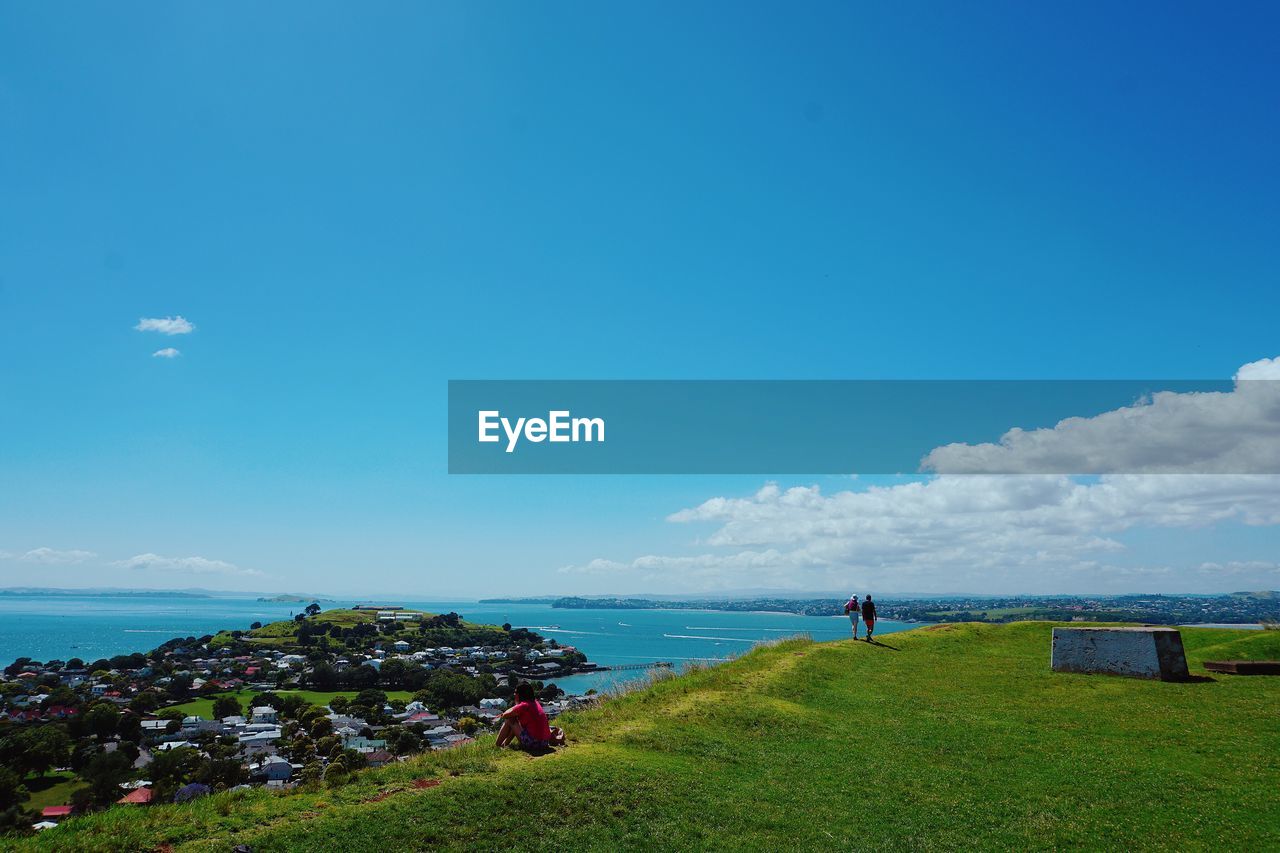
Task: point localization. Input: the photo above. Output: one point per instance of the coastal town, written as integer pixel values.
(1238, 608)
(307, 701)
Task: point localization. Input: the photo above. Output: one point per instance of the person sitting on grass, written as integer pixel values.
(527, 722)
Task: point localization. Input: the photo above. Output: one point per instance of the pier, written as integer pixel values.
(660, 664)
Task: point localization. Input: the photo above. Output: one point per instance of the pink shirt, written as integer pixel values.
(533, 720)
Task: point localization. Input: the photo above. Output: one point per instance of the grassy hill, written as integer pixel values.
(947, 737)
(284, 633)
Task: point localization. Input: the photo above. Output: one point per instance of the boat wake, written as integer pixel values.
(701, 637)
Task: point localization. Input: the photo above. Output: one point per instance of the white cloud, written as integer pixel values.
(963, 533)
(1267, 368)
(53, 556)
(183, 565)
(1196, 432)
(1240, 567)
(1019, 530)
(166, 325)
(167, 352)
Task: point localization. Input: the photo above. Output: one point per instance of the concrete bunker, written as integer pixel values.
(1134, 652)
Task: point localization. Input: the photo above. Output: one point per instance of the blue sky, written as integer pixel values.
(355, 205)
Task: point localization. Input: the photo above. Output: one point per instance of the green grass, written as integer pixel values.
(52, 789)
(947, 737)
(338, 616)
(203, 707)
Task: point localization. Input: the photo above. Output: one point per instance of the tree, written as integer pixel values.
(403, 741)
(102, 720)
(145, 702)
(180, 686)
(170, 769)
(12, 790)
(395, 674)
(18, 665)
(312, 609)
(227, 706)
(322, 677)
(335, 775)
(129, 750)
(130, 728)
(220, 773)
(445, 689)
(360, 678)
(370, 699)
(60, 695)
(300, 749)
(194, 791)
(104, 773)
(339, 704)
(351, 760)
(35, 750)
(312, 772)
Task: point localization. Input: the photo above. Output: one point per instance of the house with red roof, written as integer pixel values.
(137, 797)
(56, 811)
(423, 717)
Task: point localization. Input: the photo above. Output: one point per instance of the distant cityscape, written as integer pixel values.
(1238, 608)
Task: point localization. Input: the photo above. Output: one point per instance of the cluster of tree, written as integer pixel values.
(131, 661)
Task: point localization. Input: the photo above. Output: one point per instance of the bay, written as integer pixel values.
(46, 627)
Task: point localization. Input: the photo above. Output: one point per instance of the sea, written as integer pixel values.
(46, 627)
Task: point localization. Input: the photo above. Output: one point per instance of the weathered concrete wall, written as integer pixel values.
(1135, 652)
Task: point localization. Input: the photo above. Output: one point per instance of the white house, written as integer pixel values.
(265, 714)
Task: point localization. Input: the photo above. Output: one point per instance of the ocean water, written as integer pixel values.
(45, 627)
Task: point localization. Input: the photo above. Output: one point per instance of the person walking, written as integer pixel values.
(851, 610)
(869, 616)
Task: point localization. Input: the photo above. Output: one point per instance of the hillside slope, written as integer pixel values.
(947, 737)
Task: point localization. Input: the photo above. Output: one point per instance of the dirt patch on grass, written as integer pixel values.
(417, 785)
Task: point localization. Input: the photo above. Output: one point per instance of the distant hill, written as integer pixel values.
(947, 737)
(289, 598)
(1264, 594)
(104, 593)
